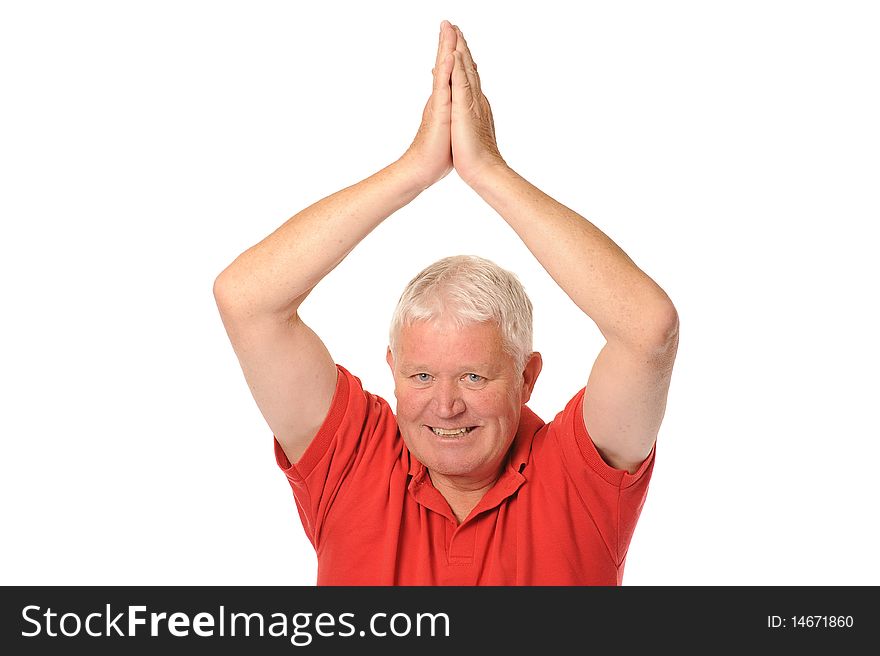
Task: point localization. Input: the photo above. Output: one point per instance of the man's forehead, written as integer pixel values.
(444, 328)
(445, 335)
(443, 343)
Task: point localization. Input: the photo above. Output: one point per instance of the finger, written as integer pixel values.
(491, 120)
(445, 43)
(470, 67)
(462, 45)
(461, 84)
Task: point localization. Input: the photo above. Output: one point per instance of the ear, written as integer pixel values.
(530, 374)
(389, 358)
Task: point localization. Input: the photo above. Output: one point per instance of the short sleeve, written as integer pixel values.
(320, 443)
(345, 443)
(613, 497)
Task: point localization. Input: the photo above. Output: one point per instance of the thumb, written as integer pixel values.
(442, 92)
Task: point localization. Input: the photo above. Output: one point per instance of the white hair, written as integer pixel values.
(469, 289)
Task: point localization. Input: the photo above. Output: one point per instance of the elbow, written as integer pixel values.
(221, 289)
(651, 329)
(225, 292)
(661, 330)
(218, 286)
(237, 300)
(646, 326)
(666, 323)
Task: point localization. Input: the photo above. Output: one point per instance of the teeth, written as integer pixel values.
(456, 431)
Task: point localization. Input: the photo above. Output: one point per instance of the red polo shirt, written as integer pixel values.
(557, 515)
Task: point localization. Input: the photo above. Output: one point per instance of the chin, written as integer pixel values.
(450, 467)
(439, 459)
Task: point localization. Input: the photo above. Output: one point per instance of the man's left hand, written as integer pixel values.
(474, 149)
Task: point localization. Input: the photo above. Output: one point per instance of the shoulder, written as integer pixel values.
(355, 414)
(566, 438)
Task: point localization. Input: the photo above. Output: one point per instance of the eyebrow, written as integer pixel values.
(468, 367)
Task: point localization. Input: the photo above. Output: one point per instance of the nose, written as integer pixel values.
(448, 401)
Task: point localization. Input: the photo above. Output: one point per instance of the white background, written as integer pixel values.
(731, 149)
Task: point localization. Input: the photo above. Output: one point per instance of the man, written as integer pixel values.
(464, 485)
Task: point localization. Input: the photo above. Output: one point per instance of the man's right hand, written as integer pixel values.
(429, 157)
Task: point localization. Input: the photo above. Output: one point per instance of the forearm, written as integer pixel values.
(596, 274)
(276, 275)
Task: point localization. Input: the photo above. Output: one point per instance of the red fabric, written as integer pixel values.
(558, 515)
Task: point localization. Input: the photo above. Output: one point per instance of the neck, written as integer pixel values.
(462, 496)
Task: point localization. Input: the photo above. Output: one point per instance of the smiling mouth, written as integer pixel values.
(452, 432)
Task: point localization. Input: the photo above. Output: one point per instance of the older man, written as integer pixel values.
(464, 485)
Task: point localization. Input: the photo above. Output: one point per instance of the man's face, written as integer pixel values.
(448, 379)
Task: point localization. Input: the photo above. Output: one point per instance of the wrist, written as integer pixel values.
(488, 175)
(413, 175)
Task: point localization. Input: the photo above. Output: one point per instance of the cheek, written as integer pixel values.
(508, 404)
(489, 404)
(410, 403)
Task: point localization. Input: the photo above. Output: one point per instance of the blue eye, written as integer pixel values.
(474, 378)
(423, 378)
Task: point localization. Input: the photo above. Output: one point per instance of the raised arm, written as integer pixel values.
(628, 385)
(291, 375)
